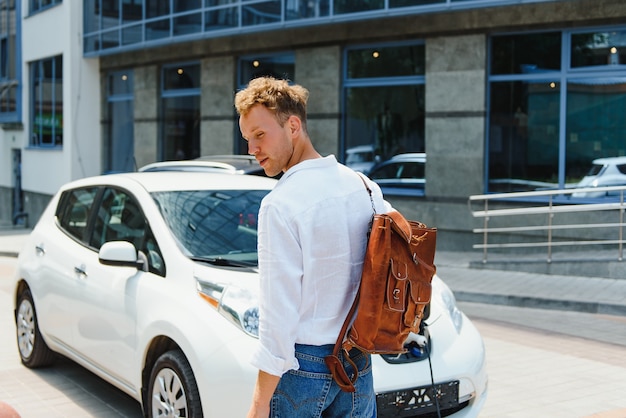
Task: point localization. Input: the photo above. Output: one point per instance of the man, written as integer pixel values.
(312, 238)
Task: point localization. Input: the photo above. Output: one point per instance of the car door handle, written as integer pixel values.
(40, 250)
(81, 271)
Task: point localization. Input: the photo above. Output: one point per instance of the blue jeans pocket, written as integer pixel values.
(310, 391)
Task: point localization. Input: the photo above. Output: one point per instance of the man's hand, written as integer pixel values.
(265, 386)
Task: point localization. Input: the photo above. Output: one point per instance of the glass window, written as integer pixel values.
(524, 135)
(190, 23)
(277, 65)
(549, 124)
(598, 48)
(131, 34)
(405, 3)
(351, 6)
(36, 5)
(523, 54)
(306, 9)
(181, 77)
(47, 102)
(221, 17)
(73, 211)
(260, 13)
(132, 11)
(157, 8)
(186, 5)
(119, 144)
(10, 73)
(389, 118)
(110, 13)
(157, 29)
(181, 112)
(120, 218)
(209, 224)
(386, 61)
(595, 126)
(384, 103)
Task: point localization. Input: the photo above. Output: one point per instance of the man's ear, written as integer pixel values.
(295, 125)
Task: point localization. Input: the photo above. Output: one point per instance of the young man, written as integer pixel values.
(312, 237)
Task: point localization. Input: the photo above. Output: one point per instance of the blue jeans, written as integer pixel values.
(311, 391)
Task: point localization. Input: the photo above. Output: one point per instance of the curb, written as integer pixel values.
(541, 303)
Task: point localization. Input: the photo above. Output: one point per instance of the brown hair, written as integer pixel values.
(276, 95)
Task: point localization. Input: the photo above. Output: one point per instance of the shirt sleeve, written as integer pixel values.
(281, 271)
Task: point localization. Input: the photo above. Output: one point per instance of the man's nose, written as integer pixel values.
(253, 149)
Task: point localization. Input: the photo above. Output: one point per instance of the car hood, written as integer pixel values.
(247, 280)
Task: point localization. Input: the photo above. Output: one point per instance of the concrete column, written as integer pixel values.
(319, 70)
(217, 110)
(455, 115)
(146, 92)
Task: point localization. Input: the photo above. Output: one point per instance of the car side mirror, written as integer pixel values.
(120, 253)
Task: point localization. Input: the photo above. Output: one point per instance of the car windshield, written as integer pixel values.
(214, 226)
(595, 170)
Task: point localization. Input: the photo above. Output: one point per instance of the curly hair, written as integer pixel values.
(276, 95)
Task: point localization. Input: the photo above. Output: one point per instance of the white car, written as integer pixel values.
(150, 281)
(362, 158)
(401, 175)
(235, 164)
(604, 172)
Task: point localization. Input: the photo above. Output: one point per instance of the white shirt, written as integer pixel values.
(312, 237)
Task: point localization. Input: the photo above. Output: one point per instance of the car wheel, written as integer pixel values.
(173, 390)
(33, 349)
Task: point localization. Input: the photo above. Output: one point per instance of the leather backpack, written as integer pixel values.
(394, 291)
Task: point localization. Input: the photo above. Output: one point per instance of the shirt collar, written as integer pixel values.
(323, 162)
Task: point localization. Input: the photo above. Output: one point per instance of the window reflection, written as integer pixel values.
(389, 118)
(541, 137)
(386, 61)
(598, 48)
(595, 124)
(384, 105)
(523, 54)
(119, 149)
(47, 99)
(524, 136)
(181, 112)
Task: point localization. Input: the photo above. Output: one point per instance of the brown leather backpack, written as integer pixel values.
(394, 291)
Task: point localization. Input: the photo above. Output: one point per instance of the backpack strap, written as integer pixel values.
(401, 225)
(334, 363)
(369, 191)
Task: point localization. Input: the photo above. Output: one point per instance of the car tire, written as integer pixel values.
(173, 390)
(34, 351)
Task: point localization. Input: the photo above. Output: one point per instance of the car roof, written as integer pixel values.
(411, 156)
(360, 148)
(158, 181)
(610, 160)
(233, 163)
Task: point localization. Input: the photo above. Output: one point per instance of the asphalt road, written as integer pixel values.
(540, 363)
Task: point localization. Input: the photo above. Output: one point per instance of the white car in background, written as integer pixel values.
(604, 172)
(150, 281)
(362, 158)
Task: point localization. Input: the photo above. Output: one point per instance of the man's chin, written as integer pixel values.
(271, 173)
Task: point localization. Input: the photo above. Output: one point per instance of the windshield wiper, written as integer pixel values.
(221, 261)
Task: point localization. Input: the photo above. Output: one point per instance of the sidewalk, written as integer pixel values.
(497, 287)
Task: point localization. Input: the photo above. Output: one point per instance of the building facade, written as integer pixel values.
(502, 95)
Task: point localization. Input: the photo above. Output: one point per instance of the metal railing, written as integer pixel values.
(523, 206)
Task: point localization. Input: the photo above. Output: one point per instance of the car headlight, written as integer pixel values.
(238, 305)
(449, 301)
